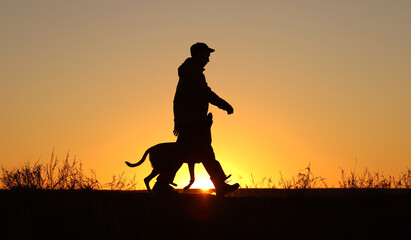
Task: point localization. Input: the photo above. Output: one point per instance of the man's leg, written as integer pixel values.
(216, 173)
(212, 166)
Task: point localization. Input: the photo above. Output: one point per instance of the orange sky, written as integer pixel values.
(320, 82)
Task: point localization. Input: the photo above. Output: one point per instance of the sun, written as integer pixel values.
(203, 183)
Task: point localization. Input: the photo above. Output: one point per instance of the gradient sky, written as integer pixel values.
(320, 82)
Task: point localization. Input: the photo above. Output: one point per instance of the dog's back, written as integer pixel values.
(162, 154)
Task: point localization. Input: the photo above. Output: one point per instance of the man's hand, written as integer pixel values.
(229, 109)
(226, 106)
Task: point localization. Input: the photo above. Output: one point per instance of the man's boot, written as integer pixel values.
(218, 178)
(222, 188)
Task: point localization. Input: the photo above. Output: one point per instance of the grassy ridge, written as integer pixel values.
(252, 214)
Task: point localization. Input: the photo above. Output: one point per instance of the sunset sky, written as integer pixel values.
(320, 82)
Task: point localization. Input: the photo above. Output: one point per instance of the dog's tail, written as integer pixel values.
(141, 161)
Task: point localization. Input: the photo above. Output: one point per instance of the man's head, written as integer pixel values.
(200, 52)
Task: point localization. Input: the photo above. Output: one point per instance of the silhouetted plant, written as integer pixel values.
(263, 183)
(26, 177)
(374, 180)
(120, 182)
(304, 179)
(68, 175)
(404, 180)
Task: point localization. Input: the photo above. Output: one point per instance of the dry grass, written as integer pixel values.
(374, 180)
(68, 174)
(119, 182)
(56, 174)
(305, 179)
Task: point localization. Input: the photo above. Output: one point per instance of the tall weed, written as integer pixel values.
(53, 175)
(119, 182)
(374, 180)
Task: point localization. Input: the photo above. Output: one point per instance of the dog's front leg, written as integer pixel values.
(192, 178)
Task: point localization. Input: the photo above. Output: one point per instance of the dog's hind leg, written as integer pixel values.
(148, 179)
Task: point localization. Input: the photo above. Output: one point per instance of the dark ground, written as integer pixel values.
(250, 214)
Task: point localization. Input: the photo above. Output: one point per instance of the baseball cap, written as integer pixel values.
(199, 47)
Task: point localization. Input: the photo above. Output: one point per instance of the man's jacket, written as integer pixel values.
(193, 96)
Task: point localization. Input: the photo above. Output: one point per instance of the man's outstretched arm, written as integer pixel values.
(220, 103)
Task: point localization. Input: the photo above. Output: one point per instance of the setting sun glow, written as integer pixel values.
(203, 183)
(320, 82)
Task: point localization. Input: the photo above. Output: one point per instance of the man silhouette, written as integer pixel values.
(191, 124)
